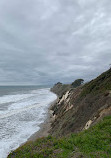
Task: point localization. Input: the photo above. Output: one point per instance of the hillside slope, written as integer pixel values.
(79, 108)
(75, 111)
(92, 143)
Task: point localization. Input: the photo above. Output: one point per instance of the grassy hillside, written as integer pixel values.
(92, 143)
(98, 85)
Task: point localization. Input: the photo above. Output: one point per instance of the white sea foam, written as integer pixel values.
(22, 118)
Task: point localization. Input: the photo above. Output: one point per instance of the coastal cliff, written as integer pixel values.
(79, 108)
(81, 126)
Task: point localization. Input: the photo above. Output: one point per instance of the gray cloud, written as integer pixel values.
(45, 41)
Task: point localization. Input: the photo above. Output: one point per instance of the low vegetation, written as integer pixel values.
(99, 85)
(85, 103)
(92, 143)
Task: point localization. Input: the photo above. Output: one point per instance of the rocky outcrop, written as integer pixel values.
(78, 109)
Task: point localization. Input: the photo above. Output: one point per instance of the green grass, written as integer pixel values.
(92, 143)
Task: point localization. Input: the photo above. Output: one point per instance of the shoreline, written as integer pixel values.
(45, 126)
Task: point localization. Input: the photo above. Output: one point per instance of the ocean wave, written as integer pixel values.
(22, 117)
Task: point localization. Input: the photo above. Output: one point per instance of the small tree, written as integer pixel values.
(77, 83)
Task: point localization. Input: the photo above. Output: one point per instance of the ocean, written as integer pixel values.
(22, 110)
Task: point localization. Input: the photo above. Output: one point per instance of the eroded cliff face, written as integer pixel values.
(78, 109)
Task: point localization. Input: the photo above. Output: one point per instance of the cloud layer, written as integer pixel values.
(45, 41)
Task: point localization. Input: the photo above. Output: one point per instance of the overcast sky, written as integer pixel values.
(46, 41)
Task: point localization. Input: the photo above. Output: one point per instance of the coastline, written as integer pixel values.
(45, 126)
